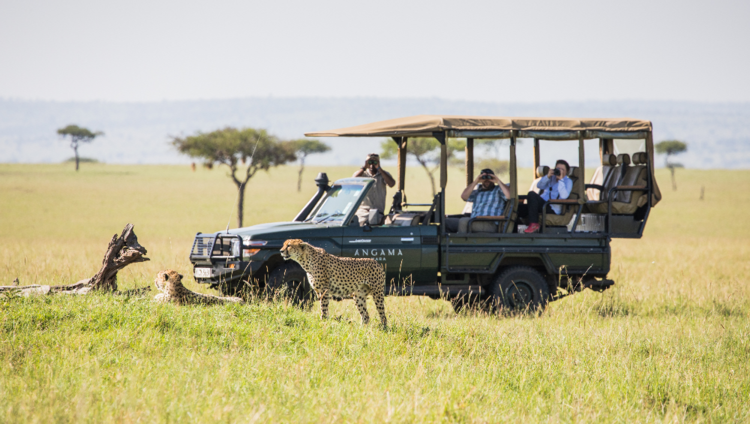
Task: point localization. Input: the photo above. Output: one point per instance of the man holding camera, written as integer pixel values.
(488, 199)
(375, 198)
(556, 185)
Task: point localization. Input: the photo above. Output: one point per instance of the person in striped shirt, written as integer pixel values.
(488, 195)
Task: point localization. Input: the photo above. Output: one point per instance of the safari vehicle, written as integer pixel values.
(506, 267)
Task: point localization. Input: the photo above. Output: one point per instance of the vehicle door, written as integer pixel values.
(397, 248)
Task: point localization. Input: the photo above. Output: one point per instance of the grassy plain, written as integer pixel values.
(669, 343)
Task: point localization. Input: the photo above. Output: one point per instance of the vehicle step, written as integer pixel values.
(434, 291)
(598, 285)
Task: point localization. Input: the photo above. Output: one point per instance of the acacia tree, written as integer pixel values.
(305, 147)
(78, 135)
(491, 157)
(426, 150)
(244, 152)
(671, 147)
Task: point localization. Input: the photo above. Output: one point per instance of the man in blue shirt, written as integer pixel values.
(556, 185)
(488, 199)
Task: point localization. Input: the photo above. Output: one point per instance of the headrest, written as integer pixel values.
(623, 159)
(542, 171)
(640, 158)
(575, 172)
(609, 159)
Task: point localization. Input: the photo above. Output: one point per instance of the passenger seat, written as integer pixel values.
(404, 219)
(634, 183)
(601, 176)
(615, 177)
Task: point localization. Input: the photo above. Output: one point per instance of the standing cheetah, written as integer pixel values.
(340, 277)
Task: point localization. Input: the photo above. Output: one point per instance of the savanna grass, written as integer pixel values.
(669, 342)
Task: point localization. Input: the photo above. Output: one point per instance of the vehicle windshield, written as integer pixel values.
(337, 204)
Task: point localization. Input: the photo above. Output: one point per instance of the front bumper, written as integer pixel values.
(226, 272)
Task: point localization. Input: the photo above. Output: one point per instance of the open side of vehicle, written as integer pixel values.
(421, 257)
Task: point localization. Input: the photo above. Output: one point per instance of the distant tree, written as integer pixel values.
(78, 135)
(498, 166)
(305, 147)
(496, 145)
(426, 150)
(669, 148)
(233, 148)
(487, 154)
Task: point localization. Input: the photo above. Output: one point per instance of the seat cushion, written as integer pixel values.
(404, 219)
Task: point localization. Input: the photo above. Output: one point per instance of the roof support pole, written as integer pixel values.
(443, 164)
(536, 159)
(513, 173)
(582, 168)
(441, 137)
(469, 161)
(401, 142)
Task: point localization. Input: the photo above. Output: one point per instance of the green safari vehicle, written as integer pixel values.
(505, 267)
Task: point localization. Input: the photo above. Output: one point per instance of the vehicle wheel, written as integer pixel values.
(289, 281)
(520, 288)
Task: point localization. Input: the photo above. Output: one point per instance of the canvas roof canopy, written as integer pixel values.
(470, 127)
(495, 127)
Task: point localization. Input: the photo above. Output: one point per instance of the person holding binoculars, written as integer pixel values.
(555, 185)
(488, 195)
(375, 199)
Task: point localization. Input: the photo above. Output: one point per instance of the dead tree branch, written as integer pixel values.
(121, 252)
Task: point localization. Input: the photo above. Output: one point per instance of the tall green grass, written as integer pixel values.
(670, 342)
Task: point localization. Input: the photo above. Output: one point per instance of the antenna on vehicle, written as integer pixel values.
(252, 155)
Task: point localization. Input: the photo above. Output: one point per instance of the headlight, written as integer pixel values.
(256, 244)
(235, 247)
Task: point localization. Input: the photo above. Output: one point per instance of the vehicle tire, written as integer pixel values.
(289, 281)
(520, 289)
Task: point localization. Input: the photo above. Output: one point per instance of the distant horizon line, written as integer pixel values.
(219, 99)
(295, 164)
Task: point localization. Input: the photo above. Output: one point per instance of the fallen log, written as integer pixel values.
(121, 252)
(169, 282)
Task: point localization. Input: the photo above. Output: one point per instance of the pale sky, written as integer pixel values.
(491, 51)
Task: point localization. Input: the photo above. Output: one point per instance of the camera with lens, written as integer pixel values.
(486, 177)
(556, 172)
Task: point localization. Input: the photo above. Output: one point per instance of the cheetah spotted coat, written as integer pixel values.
(169, 282)
(331, 276)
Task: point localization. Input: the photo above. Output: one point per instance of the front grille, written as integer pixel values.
(203, 246)
(223, 246)
(207, 246)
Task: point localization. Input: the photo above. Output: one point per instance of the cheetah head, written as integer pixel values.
(167, 280)
(294, 249)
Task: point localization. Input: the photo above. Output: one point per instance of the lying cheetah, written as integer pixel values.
(340, 277)
(169, 282)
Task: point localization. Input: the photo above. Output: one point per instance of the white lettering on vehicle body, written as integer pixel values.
(377, 254)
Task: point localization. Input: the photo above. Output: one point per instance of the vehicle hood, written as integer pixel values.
(277, 230)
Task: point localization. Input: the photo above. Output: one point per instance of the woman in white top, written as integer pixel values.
(556, 185)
